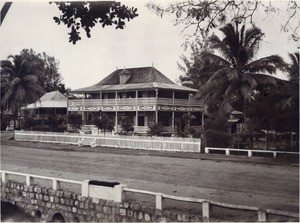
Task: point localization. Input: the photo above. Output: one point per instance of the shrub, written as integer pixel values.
(127, 124)
(75, 120)
(104, 123)
(216, 138)
(155, 129)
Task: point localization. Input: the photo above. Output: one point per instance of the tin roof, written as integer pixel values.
(136, 78)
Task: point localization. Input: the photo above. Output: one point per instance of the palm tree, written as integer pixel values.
(291, 90)
(18, 85)
(237, 74)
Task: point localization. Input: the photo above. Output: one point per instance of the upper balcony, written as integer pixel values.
(134, 103)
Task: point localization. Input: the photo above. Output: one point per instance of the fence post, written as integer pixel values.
(29, 180)
(3, 177)
(227, 152)
(274, 154)
(55, 184)
(261, 215)
(249, 153)
(119, 192)
(206, 209)
(85, 188)
(199, 150)
(206, 150)
(158, 201)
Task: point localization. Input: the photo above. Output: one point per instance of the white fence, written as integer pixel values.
(250, 152)
(131, 142)
(262, 214)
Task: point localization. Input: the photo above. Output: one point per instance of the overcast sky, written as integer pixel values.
(146, 40)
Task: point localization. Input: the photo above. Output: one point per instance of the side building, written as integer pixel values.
(145, 95)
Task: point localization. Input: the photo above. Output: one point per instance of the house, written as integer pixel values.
(145, 95)
(50, 103)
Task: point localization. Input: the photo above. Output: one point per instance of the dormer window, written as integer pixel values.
(124, 76)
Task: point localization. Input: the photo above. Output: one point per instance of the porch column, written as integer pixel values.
(173, 113)
(136, 111)
(116, 106)
(156, 106)
(82, 109)
(189, 110)
(100, 100)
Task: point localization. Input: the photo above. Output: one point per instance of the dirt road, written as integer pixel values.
(253, 184)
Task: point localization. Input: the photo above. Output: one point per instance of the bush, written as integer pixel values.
(75, 120)
(127, 124)
(155, 129)
(216, 138)
(104, 123)
(52, 123)
(5, 122)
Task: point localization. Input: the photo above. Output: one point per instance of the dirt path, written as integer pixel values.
(245, 183)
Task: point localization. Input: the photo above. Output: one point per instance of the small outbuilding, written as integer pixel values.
(54, 103)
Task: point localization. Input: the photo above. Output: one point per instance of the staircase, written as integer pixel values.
(87, 141)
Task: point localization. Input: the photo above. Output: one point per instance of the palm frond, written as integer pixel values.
(266, 64)
(250, 80)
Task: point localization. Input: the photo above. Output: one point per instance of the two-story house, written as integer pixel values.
(143, 94)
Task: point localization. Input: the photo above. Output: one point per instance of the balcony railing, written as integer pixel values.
(133, 101)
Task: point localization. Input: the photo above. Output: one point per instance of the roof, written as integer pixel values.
(52, 99)
(136, 78)
(124, 87)
(137, 75)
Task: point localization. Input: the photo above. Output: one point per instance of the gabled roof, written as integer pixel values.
(137, 78)
(52, 99)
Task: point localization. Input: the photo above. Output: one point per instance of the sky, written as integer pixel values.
(147, 40)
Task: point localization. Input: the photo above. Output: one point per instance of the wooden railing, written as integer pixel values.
(262, 214)
(133, 101)
(30, 179)
(249, 152)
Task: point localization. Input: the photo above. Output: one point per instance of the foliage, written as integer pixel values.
(46, 68)
(291, 90)
(197, 70)
(19, 85)
(104, 123)
(237, 74)
(155, 129)
(203, 16)
(215, 138)
(75, 120)
(85, 15)
(127, 124)
(5, 120)
(216, 131)
(52, 123)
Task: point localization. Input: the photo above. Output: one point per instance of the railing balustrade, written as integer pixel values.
(262, 214)
(133, 101)
(250, 152)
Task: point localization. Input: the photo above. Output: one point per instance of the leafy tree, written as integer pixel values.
(46, 68)
(127, 124)
(237, 74)
(75, 120)
(203, 16)
(197, 70)
(85, 15)
(19, 85)
(104, 123)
